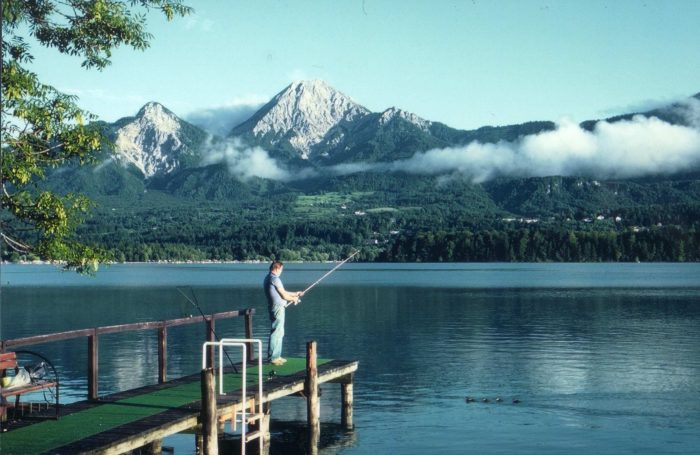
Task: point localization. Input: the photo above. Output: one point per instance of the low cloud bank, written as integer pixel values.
(244, 162)
(632, 148)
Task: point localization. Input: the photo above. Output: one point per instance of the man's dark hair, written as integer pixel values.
(276, 265)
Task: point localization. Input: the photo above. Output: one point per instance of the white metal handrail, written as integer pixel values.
(243, 344)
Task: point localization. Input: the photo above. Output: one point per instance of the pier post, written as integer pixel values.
(346, 394)
(208, 414)
(153, 448)
(249, 333)
(162, 355)
(313, 405)
(265, 429)
(93, 363)
(210, 336)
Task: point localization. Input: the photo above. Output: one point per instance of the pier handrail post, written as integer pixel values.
(249, 331)
(162, 354)
(93, 366)
(211, 336)
(313, 405)
(208, 413)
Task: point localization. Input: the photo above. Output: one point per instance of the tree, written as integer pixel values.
(43, 128)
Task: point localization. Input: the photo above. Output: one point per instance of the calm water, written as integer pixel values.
(604, 358)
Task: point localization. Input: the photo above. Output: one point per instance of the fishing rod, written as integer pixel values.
(196, 305)
(325, 275)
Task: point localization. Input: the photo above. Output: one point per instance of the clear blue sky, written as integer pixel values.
(466, 63)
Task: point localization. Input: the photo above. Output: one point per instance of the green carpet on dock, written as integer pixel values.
(46, 435)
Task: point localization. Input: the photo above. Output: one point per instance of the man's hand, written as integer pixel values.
(296, 300)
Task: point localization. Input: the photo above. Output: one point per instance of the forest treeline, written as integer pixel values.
(541, 245)
(326, 241)
(519, 245)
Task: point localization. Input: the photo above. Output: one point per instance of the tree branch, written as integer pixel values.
(15, 244)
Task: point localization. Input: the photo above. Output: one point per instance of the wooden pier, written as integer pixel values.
(141, 418)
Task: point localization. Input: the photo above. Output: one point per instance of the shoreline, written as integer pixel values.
(251, 261)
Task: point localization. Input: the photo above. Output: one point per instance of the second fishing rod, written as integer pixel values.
(196, 305)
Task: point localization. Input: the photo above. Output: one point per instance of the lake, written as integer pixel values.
(600, 358)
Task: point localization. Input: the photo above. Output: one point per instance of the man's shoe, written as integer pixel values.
(278, 361)
(283, 360)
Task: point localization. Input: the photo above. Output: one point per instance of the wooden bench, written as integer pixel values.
(8, 360)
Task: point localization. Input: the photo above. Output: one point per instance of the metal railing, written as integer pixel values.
(244, 344)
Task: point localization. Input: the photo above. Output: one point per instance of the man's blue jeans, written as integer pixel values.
(274, 347)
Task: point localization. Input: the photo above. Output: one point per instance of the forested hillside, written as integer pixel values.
(402, 218)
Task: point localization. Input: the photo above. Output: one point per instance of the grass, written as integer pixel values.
(329, 204)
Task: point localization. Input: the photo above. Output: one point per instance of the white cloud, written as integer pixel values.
(476, 161)
(245, 162)
(102, 165)
(690, 109)
(633, 148)
(200, 23)
(219, 120)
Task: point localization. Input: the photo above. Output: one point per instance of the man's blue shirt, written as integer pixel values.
(271, 284)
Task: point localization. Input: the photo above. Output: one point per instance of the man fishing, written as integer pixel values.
(277, 301)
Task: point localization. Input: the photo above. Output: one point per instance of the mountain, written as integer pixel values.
(156, 141)
(299, 118)
(310, 123)
(307, 129)
(141, 152)
(386, 136)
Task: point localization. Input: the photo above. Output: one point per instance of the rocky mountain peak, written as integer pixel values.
(150, 140)
(304, 112)
(157, 114)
